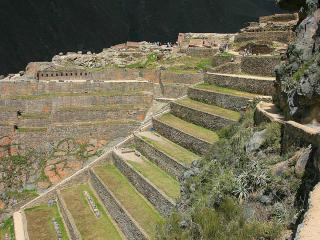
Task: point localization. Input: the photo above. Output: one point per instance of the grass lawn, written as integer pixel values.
(190, 128)
(7, 229)
(229, 91)
(173, 150)
(158, 177)
(40, 225)
(89, 226)
(212, 109)
(187, 64)
(139, 208)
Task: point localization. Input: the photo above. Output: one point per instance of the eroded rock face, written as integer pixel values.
(298, 78)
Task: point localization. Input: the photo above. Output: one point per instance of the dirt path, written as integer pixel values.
(245, 76)
(19, 226)
(310, 228)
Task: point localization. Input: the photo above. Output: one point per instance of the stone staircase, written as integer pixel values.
(138, 184)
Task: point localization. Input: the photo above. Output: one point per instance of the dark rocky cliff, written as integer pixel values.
(36, 30)
(298, 79)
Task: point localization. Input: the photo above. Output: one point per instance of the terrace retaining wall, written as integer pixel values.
(126, 223)
(260, 65)
(260, 86)
(200, 118)
(267, 36)
(222, 100)
(68, 219)
(185, 140)
(160, 158)
(155, 196)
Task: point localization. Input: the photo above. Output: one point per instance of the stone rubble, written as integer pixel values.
(92, 204)
(57, 229)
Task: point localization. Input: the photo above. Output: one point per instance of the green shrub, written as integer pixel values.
(227, 222)
(7, 227)
(273, 136)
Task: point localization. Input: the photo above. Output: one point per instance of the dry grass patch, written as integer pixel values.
(89, 226)
(40, 225)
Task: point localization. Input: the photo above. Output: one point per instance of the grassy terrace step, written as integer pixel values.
(172, 149)
(222, 97)
(188, 135)
(154, 174)
(189, 128)
(248, 83)
(223, 90)
(89, 226)
(205, 115)
(209, 108)
(138, 207)
(40, 225)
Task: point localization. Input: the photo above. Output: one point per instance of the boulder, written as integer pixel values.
(281, 168)
(256, 141)
(305, 155)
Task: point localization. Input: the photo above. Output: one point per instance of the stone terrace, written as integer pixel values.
(148, 166)
(136, 183)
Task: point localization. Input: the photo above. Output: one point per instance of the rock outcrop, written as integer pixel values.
(298, 85)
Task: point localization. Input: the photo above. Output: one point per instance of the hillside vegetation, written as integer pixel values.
(235, 192)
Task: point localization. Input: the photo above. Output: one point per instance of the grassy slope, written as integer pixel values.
(174, 150)
(214, 88)
(157, 176)
(40, 224)
(190, 128)
(212, 109)
(89, 226)
(139, 208)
